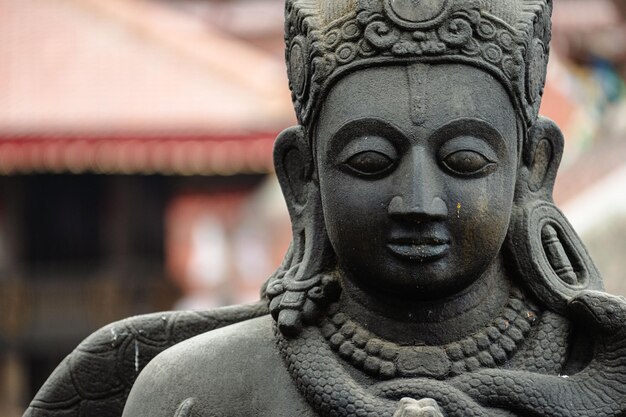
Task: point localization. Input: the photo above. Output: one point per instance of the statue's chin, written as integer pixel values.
(437, 282)
(398, 316)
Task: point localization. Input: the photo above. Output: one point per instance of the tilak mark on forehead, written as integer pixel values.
(418, 76)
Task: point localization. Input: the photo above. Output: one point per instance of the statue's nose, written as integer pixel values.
(419, 192)
(434, 209)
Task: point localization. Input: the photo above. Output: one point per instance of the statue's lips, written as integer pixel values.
(421, 249)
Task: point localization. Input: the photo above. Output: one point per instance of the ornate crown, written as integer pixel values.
(328, 38)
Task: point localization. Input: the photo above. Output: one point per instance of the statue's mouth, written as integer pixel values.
(420, 249)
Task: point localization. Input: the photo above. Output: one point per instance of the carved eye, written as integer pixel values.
(468, 163)
(369, 163)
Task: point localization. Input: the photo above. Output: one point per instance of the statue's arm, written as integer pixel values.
(153, 394)
(189, 377)
(232, 371)
(201, 375)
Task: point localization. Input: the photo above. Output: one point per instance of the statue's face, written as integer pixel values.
(417, 175)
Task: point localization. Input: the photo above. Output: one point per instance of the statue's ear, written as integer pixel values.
(541, 157)
(311, 255)
(294, 166)
(550, 257)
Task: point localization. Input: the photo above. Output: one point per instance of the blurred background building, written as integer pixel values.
(136, 160)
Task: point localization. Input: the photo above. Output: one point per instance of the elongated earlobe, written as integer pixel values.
(305, 284)
(556, 266)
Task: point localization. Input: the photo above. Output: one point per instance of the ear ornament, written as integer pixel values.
(548, 254)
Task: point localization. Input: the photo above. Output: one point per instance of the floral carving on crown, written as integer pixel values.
(326, 41)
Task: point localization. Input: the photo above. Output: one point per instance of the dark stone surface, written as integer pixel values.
(430, 273)
(95, 379)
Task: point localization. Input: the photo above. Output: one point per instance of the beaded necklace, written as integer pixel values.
(489, 347)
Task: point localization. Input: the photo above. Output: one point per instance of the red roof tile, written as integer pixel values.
(112, 69)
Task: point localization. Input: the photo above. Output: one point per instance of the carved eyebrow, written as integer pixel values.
(472, 127)
(366, 126)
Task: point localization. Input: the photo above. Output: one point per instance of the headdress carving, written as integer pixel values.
(329, 38)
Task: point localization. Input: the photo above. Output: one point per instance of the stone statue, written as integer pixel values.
(430, 273)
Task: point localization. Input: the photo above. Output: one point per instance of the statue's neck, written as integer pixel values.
(411, 322)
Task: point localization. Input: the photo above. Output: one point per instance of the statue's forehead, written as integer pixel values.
(422, 96)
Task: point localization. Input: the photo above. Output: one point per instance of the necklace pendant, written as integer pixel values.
(423, 361)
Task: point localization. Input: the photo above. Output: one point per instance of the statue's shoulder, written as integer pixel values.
(231, 345)
(233, 370)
